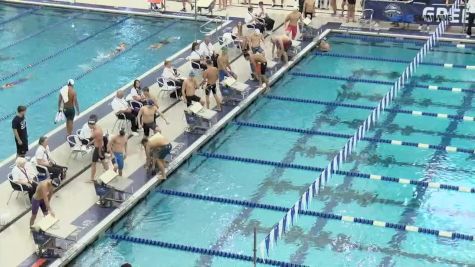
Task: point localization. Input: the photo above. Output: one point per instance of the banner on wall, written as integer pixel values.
(429, 12)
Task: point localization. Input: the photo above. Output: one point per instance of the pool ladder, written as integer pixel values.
(212, 25)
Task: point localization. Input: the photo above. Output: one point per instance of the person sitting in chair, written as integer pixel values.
(122, 108)
(24, 175)
(43, 158)
(196, 58)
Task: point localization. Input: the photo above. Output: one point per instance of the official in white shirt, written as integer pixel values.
(253, 22)
(43, 158)
(206, 48)
(171, 77)
(135, 93)
(120, 106)
(24, 175)
(196, 58)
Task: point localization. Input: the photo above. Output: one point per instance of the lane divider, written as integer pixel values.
(346, 136)
(59, 52)
(358, 106)
(324, 215)
(445, 65)
(421, 86)
(374, 177)
(29, 36)
(203, 251)
(22, 14)
(82, 75)
(396, 40)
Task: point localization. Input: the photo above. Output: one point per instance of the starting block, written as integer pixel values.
(199, 118)
(233, 91)
(110, 188)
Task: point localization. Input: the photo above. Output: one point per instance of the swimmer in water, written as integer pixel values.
(122, 46)
(11, 84)
(163, 42)
(2, 58)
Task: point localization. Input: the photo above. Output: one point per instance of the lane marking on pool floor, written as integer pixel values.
(403, 181)
(325, 215)
(29, 36)
(346, 136)
(22, 14)
(83, 74)
(62, 50)
(382, 59)
(366, 107)
(398, 40)
(420, 86)
(198, 250)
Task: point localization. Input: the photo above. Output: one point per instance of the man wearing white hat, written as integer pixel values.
(68, 104)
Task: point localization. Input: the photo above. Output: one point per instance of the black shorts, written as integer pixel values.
(210, 88)
(161, 152)
(149, 126)
(309, 14)
(263, 68)
(192, 98)
(351, 2)
(96, 157)
(69, 113)
(23, 148)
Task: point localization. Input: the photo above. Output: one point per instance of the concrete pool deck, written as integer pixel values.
(84, 213)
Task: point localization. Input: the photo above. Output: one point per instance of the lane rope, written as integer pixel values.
(346, 136)
(198, 250)
(416, 85)
(358, 106)
(382, 59)
(82, 75)
(324, 215)
(59, 52)
(22, 14)
(375, 177)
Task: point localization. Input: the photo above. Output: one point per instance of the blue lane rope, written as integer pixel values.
(445, 65)
(22, 14)
(59, 52)
(29, 36)
(82, 75)
(357, 106)
(380, 39)
(203, 251)
(324, 215)
(375, 177)
(346, 136)
(350, 79)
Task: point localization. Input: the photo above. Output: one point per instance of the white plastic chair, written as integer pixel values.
(166, 88)
(77, 148)
(122, 122)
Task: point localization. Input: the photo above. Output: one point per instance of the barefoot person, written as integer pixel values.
(68, 104)
(259, 66)
(147, 116)
(42, 197)
(292, 23)
(210, 78)
(280, 46)
(157, 148)
(188, 90)
(224, 67)
(118, 147)
(99, 151)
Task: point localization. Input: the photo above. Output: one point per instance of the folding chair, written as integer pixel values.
(166, 88)
(19, 188)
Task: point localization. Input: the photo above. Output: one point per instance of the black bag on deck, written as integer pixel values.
(269, 23)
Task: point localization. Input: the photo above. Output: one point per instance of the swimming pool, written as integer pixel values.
(48, 46)
(330, 94)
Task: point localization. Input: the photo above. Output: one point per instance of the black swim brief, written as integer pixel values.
(161, 152)
(210, 88)
(189, 99)
(69, 113)
(96, 157)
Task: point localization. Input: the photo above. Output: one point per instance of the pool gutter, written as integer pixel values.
(406, 36)
(126, 206)
(116, 10)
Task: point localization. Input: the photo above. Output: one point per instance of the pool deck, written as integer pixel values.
(91, 219)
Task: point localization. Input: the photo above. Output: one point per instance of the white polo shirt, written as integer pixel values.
(194, 56)
(119, 104)
(206, 50)
(168, 73)
(86, 132)
(133, 93)
(43, 153)
(19, 174)
(470, 6)
(248, 18)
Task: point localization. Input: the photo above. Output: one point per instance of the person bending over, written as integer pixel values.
(280, 46)
(224, 67)
(157, 148)
(42, 198)
(99, 149)
(259, 65)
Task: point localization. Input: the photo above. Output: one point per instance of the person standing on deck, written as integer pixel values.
(292, 23)
(20, 132)
(68, 104)
(99, 148)
(470, 9)
(118, 147)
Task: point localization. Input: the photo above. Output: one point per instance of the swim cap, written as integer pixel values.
(149, 102)
(71, 82)
(55, 182)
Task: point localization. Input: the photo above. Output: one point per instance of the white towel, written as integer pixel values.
(64, 94)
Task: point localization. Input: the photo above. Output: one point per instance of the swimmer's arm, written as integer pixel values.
(183, 90)
(163, 117)
(76, 103)
(47, 194)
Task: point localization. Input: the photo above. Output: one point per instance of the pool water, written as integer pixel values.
(312, 241)
(49, 46)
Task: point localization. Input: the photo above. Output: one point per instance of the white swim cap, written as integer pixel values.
(71, 82)
(257, 31)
